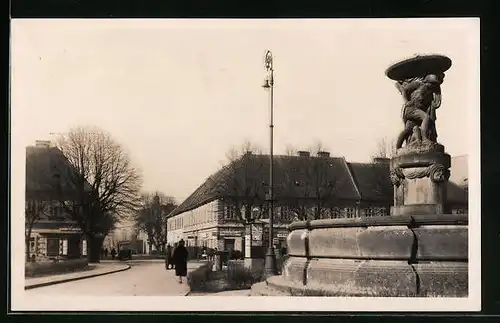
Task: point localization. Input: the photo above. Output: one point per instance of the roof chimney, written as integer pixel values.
(43, 143)
(381, 160)
(323, 154)
(303, 153)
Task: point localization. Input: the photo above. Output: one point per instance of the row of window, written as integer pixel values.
(229, 212)
(286, 214)
(175, 223)
(53, 209)
(200, 216)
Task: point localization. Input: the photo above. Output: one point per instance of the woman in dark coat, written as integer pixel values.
(168, 257)
(180, 260)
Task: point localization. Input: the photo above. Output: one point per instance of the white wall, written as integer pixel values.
(197, 219)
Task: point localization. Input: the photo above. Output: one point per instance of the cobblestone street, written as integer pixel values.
(144, 278)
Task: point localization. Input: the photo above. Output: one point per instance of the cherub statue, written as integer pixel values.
(422, 97)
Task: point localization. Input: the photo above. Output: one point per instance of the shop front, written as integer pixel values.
(56, 240)
(230, 239)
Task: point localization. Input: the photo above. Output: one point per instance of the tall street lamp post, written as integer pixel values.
(270, 264)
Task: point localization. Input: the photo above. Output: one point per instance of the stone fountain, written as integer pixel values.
(420, 250)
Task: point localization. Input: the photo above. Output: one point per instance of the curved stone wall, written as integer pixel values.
(381, 256)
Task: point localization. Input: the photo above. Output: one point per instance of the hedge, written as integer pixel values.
(33, 269)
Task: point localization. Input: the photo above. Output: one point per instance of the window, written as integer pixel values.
(335, 212)
(52, 247)
(369, 212)
(32, 245)
(55, 209)
(229, 212)
(350, 212)
(380, 211)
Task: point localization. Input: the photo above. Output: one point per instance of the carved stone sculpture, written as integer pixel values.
(420, 168)
(419, 81)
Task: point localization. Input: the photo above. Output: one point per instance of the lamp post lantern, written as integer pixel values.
(270, 264)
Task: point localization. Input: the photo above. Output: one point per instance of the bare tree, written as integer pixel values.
(316, 147)
(290, 150)
(385, 149)
(241, 182)
(107, 184)
(311, 185)
(234, 153)
(152, 217)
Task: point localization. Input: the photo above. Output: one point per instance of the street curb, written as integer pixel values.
(127, 267)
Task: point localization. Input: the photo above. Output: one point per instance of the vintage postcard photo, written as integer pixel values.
(245, 165)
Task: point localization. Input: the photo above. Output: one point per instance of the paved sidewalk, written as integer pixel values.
(98, 270)
(243, 292)
(144, 278)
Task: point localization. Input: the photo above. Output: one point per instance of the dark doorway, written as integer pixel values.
(74, 247)
(229, 244)
(52, 247)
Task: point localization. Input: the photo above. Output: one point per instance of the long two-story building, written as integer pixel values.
(312, 187)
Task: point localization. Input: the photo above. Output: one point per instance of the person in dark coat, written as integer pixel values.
(172, 254)
(113, 253)
(168, 257)
(180, 260)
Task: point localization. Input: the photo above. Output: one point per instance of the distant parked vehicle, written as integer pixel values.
(125, 254)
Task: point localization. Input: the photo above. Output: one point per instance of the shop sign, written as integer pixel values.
(282, 234)
(70, 229)
(229, 233)
(257, 238)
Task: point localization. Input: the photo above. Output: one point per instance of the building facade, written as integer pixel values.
(210, 217)
(53, 235)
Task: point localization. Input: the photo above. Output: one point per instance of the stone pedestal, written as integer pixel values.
(420, 179)
(392, 256)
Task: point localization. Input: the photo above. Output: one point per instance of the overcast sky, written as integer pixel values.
(177, 94)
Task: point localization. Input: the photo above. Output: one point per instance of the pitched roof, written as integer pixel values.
(43, 168)
(373, 181)
(456, 194)
(248, 176)
(353, 181)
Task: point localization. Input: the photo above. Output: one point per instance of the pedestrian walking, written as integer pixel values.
(113, 253)
(168, 258)
(172, 254)
(105, 253)
(180, 257)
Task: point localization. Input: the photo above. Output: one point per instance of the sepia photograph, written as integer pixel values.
(245, 165)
